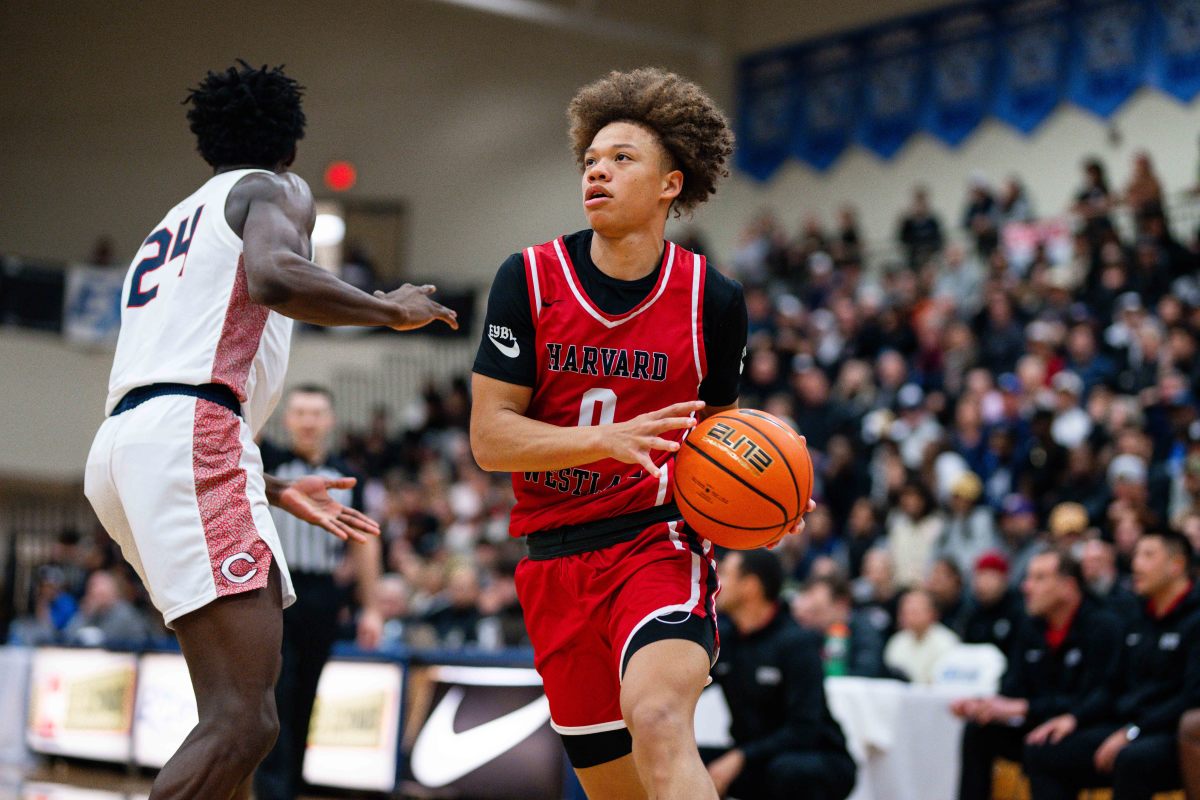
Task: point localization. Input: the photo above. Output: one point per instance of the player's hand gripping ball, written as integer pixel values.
(743, 478)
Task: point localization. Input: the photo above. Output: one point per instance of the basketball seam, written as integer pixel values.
(722, 522)
(738, 478)
(782, 457)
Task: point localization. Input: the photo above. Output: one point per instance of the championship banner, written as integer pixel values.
(828, 104)
(1174, 50)
(165, 711)
(92, 305)
(1032, 63)
(963, 67)
(484, 733)
(81, 703)
(1109, 54)
(768, 91)
(894, 89)
(353, 739)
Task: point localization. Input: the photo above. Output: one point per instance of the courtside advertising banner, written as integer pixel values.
(165, 711)
(55, 791)
(353, 739)
(81, 703)
(484, 733)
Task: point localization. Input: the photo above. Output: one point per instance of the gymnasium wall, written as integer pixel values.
(453, 111)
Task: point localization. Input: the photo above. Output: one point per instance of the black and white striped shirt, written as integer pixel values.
(307, 548)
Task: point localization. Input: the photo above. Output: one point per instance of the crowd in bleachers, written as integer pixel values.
(966, 404)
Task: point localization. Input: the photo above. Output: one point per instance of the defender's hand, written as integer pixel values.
(308, 499)
(416, 309)
(632, 442)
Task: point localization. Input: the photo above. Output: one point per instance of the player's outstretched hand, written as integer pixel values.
(308, 499)
(632, 442)
(416, 308)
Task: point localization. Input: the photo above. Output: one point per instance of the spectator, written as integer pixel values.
(996, 611)
(945, 585)
(1143, 194)
(1128, 740)
(913, 529)
(1098, 564)
(1061, 659)
(1068, 523)
(914, 650)
(876, 594)
(916, 428)
(1014, 204)
(1018, 535)
(959, 282)
(825, 606)
(920, 229)
(105, 618)
(770, 671)
(391, 595)
(980, 217)
(454, 614)
(1093, 200)
(53, 609)
(1072, 425)
(970, 530)
(862, 533)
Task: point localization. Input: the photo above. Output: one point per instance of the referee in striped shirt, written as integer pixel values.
(317, 561)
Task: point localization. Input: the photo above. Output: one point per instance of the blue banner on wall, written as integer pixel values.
(1109, 48)
(1175, 47)
(963, 66)
(894, 85)
(945, 71)
(828, 106)
(1032, 66)
(769, 90)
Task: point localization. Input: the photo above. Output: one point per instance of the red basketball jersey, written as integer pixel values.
(595, 368)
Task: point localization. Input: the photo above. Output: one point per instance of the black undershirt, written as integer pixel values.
(724, 319)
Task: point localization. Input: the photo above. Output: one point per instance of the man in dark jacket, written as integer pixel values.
(785, 740)
(995, 613)
(1060, 659)
(1128, 740)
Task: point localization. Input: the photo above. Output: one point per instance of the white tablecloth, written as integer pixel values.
(14, 690)
(904, 738)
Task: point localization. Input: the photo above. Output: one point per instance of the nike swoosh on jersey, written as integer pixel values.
(441, 756)
(511, 350)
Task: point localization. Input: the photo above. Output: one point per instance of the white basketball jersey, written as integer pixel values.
(187, 316)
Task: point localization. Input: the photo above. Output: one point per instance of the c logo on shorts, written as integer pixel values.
(228, 573)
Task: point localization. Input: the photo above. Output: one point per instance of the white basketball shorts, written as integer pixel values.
(178, 483)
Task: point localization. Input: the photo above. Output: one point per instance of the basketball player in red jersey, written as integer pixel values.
(601, 349)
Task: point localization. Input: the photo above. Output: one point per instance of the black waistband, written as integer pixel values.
(212, 392)
(571, 540)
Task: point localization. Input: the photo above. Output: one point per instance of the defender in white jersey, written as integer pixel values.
(174, 473)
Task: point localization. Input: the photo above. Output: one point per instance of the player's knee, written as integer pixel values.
(658, 720)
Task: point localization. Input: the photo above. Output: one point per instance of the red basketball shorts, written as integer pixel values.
(587, 614)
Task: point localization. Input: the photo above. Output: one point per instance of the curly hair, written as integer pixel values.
(246, 116)
(685, 120)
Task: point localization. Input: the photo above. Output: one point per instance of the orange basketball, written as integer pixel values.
(742, 478)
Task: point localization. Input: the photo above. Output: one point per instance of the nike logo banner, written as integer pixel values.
(488, 738)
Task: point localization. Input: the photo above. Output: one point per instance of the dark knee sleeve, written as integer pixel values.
(593, 749)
